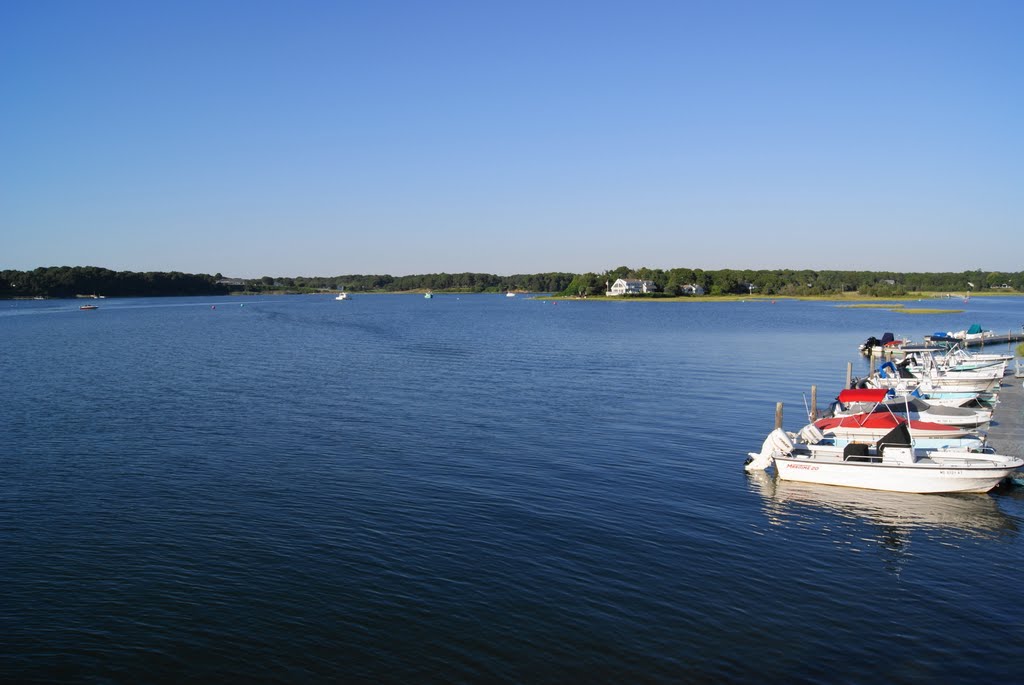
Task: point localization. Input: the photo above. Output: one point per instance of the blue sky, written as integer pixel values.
(320, 138)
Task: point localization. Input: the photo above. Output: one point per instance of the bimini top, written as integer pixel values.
(974, 329)
(862, 395)
(880, 421)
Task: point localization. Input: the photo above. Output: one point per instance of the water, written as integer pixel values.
(469, 489)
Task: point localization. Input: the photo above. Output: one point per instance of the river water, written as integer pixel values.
(469, 489)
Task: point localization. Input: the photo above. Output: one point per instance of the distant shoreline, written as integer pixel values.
(846, 297)
(877, 301)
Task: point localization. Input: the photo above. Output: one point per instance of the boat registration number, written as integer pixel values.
(956, 472)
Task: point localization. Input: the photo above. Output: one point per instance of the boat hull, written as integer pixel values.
(946, 383)
(917, 478)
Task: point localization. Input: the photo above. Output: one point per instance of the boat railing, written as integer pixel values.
(944, 460)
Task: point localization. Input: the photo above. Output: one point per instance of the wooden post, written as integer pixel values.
(814, 403)
(849, 374)
(778, 414)
(871, 365)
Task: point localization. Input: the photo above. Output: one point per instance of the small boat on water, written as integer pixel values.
(89, 306)
(428, 295)
(343, 296)
(884, 346)
(510, 294)
(893, 463)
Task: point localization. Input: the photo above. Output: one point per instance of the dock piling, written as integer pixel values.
(778, 414)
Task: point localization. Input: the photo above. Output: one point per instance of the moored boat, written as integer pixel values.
(887, 345)
(873, 426)
(902, 379)
(893, 463)
(850, 402)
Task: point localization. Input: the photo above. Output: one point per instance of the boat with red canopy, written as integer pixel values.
(872, 400)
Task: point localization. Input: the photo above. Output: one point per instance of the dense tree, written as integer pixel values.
(65, 281)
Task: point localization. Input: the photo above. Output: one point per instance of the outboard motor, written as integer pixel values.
(776, 442)
(811, 434)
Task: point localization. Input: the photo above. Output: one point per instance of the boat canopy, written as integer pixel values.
(887, 337)
(862, 395)
(897, 437)
(974, 329)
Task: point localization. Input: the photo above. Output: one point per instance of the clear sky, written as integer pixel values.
(310, 138)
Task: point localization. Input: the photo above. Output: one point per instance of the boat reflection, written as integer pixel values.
(900, 514)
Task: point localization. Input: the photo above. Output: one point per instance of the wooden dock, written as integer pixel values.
(1006, 434)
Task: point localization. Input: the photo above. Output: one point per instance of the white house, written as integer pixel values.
(631, 286)
(692, 289)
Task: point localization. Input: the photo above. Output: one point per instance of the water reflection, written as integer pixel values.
(893, 517)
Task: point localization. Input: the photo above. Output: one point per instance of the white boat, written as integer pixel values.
(986, 400)
(894, 463)
(343, 296)
(428, 295)
(926, 362)
(975, 332)
(510, 294)
(958, 357)
(903, 380)
(850, 402)
(886, 346)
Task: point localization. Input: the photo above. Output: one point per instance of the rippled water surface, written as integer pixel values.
(469, 489)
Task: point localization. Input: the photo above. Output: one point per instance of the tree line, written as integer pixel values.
(65, 281)
(789, 282)
(460, 282)
(69, 281)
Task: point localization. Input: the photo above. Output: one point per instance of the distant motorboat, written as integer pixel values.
(343, 296)
(510, 294)
(428, 295)
(89, 306)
